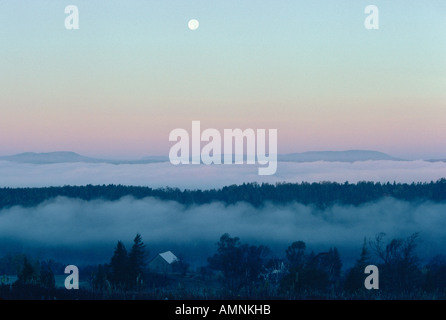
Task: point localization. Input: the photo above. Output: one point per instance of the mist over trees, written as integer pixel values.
(321, 194)
(239, 270)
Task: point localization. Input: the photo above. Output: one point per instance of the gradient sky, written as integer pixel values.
(134, 71)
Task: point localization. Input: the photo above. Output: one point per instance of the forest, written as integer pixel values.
(322, 194)
(239, 270)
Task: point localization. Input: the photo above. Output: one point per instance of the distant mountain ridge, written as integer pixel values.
(72, 157)
(50, 157)
(337, 156)
(311, 156)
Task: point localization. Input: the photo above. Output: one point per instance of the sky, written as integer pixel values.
(133, 72)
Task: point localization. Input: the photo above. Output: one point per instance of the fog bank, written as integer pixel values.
(90, 229)
(214, 176)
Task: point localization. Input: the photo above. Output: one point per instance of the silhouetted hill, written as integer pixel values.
(341, 156)
(312, 156)
(70, 157)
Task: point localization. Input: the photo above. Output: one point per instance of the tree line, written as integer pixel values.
(240, 270)
(250, 271)
(320, 194)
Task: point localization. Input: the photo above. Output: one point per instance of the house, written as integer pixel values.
(163, 262)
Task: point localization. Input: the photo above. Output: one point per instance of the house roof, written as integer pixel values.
(169, 257)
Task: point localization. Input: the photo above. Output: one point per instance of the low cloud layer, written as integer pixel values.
(85, 228)
(214, 176)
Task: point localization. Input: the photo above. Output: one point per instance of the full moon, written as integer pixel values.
(193, 24)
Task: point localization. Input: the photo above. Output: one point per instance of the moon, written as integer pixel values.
(193, 24)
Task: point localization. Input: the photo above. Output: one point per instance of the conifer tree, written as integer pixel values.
(119, 267)
(137, 261)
